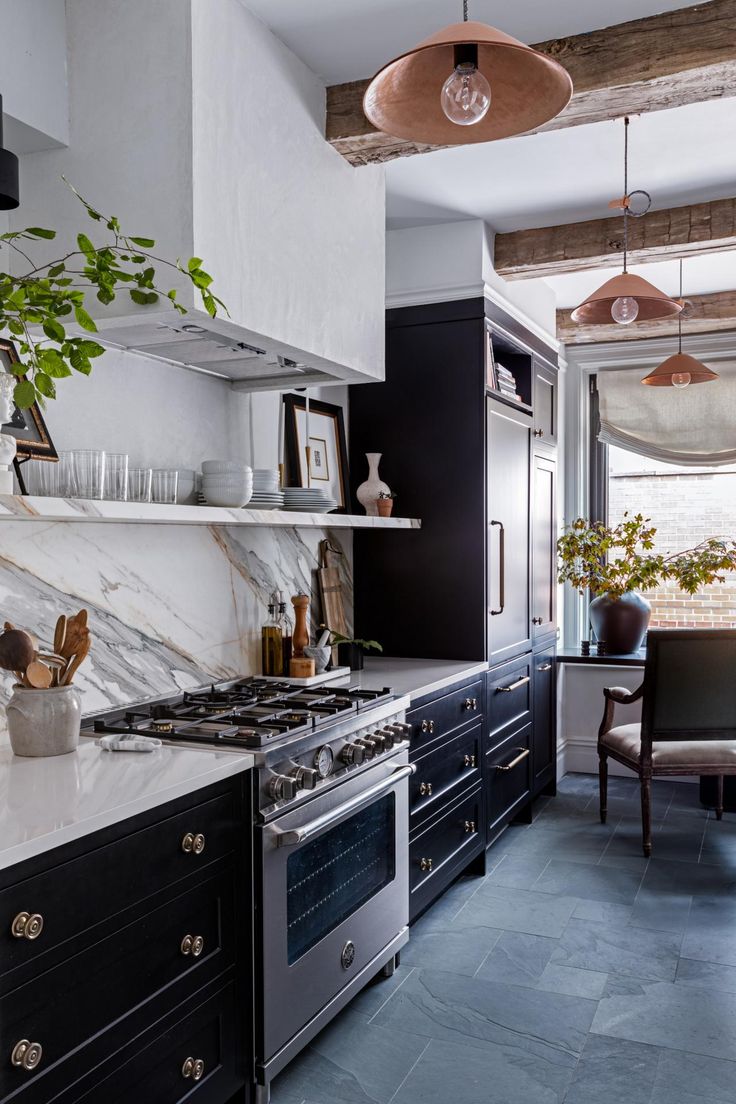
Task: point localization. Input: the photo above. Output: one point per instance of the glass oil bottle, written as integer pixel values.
(272, 652)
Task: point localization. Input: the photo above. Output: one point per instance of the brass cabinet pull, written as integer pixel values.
(26, 1055)
(470, 826)
(425, 864)
(192, 945)
(537, 620)
(514, 685)
(545, 667)
(194, 1068)
(425, 789)
(523, 752)
(193, 844)
(470, 703)
(469, 760)
(501, 569)
(539, 433)
(27, 925)
(427, 726)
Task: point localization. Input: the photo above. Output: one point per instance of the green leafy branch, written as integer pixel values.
(50, 295)
(615, 560)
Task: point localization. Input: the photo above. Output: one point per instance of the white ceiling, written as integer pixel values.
(345, 40)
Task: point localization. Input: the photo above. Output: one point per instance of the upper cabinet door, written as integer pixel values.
(509, 472)
(544, 401)
(544, 548)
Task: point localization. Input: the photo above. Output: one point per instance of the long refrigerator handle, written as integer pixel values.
(501, 568)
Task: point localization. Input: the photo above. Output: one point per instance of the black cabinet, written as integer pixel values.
(544, 739)
(544, 548)
(545, 403)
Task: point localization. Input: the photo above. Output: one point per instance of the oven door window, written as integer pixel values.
(329, 878)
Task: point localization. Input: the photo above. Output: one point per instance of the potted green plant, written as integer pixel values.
(385, 503)
(615, 563)
(350, 651)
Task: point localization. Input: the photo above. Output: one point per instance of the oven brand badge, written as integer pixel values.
(348, 955)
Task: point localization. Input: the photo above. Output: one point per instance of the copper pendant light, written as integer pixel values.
(626, 297)
(467, 83)
(681, 369)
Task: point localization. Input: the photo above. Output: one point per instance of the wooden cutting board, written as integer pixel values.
(330, 589)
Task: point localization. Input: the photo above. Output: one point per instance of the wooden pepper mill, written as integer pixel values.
(301, 666)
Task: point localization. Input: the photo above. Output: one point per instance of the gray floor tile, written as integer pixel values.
(469, 1011)
(706, 975)
(457, 950)
(377, 992)
(572, 980)
(604, 912)
(588, 881)
(498, 1074)
(517, 872)
(711, 931)
(672, 1016)
(625, 950)
(351, 1061)
(661, 912)
(521, 910)
(518, 959)
(611, 1071)
(684, 1078)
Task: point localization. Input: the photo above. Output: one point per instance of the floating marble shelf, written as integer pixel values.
(37, 508)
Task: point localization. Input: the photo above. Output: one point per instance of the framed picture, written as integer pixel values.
(329, 455)
(27, 426)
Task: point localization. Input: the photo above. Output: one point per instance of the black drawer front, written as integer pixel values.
(438, 853)
(79, 1000)
(508, 699)
(438, 716)
(207, 1032)
(508, 778)
(444, 772)
(75, 896)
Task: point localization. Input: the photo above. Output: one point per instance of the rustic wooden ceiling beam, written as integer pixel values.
(579, 246)
(702, 314)
(663, 61)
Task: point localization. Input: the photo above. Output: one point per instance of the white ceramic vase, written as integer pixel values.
(368, 492)
(44, 722)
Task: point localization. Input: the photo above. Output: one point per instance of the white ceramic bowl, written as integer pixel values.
(236, 486)
(223, 467)
(224, 496)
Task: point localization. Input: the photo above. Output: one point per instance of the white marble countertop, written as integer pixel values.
(415, 677)
(48, 802)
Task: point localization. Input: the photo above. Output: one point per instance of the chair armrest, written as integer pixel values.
(616, 695)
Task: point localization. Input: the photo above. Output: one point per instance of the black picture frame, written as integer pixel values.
(32, 438)
(296, 475)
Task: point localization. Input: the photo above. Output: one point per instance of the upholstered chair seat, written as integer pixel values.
(691, 756)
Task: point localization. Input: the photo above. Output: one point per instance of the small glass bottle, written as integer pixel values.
(287, 632)
(272, 661)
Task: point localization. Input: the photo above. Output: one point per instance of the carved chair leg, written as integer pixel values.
(603, 784)
(646, 814)
(719, 797)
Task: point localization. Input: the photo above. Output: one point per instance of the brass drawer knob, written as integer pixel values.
(469, 760)
(425, 864)
(425, 789)
(427, 726)
(470, 703)
(193, 844)
(26, 1055)
(469, 826)
(192, 945)
(27, 925)
(194, 1068)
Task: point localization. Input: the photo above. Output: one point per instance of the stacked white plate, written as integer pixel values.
(226, 483)
(310, 500)
(266, 494)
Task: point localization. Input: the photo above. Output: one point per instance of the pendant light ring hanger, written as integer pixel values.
(528, 88)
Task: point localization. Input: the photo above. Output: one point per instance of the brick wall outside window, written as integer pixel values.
(686, 508)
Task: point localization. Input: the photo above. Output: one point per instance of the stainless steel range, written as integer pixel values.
(330, 839)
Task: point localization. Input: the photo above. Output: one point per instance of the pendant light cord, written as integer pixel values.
(465, 11)
(626, 189)
(679, 315)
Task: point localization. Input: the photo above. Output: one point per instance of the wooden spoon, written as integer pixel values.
(60, 633)
(38, 675)
(74, 664)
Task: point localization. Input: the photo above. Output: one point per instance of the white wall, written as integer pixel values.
(34, 76)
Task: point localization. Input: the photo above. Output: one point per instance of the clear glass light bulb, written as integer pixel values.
(624, 310)
(681, 379)
(466, 95)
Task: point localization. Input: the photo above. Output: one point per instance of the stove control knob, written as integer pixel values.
(282, 787)
(402, 731)
(368, 746)
(306, 778)
(388, 738)
(353, 754)
(380, 741)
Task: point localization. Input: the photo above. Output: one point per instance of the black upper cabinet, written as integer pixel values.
(544, 547)
(545, 403)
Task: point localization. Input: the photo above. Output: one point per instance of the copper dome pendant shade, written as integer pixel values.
(680, 370)
(626, 295)
(527, 88)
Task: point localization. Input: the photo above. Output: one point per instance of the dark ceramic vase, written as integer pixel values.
(350, 655)
(620, 622)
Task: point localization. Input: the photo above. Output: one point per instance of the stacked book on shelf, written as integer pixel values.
(506, 382)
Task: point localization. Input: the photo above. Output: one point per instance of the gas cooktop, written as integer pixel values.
(250, 713)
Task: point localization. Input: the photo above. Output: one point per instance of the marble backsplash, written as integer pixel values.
(169, 606)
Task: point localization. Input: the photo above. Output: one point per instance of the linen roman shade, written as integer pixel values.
(694, 425)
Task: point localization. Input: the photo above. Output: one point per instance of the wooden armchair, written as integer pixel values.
(688, 724)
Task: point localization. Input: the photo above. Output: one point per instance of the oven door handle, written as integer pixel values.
(291, 836)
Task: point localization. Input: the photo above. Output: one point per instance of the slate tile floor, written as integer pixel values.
(575, 971)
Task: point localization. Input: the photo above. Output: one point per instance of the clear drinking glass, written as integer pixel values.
(87, 472)
(164, 484)
(47, 477)
(116, 476)
(139, 484)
